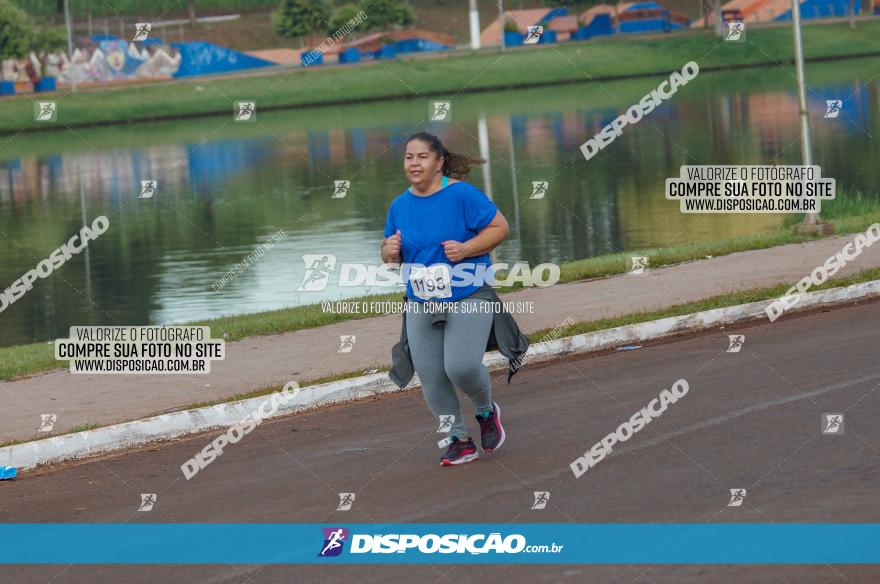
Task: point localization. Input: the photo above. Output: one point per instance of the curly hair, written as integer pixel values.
(455, 165)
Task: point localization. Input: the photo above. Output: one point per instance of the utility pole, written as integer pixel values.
(475, 25)
(483, 138)
(502, 20)
(806, 152)
(811, 221)
(69, 23)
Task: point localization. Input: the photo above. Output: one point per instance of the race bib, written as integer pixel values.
(433, 282)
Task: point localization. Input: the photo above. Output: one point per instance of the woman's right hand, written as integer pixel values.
(391, 248)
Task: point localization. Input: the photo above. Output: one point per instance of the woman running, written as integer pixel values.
(439, 222)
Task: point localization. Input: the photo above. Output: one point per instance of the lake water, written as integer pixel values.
(224, 188)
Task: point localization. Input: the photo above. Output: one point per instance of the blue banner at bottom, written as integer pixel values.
(452, 543)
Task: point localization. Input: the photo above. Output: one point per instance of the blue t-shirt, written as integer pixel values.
(456, 212)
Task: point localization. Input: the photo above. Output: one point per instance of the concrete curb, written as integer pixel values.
(673, 325)
(173, 425)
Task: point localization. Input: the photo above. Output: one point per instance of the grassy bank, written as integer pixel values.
(489, 70)
(721, 301)
(848, 213)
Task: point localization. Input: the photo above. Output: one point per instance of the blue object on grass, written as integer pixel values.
(7, 472)
(312, 57)
(547, 38)
(513, 38)
(350, 55)
(202, 58)
(387, 52)
(46, 83)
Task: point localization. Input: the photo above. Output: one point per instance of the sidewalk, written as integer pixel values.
(273, 360)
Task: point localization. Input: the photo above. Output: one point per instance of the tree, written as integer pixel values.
(16, 32)
(386, 13)
(45, 42)
(191, 10)
(297, 18)
(342, 16)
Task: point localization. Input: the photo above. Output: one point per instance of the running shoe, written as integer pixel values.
(491, 431)
(459, 452)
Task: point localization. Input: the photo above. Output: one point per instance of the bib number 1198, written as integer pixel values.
(432, 282)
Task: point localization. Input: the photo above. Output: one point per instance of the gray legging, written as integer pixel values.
(451, 356)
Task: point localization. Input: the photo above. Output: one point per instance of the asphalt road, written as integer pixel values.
(750, 420)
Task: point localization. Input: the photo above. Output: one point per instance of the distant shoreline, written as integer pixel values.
(521, 67)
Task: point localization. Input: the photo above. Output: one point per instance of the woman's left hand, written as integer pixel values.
(455, 250)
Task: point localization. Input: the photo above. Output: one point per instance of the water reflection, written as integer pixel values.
(223, 189)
